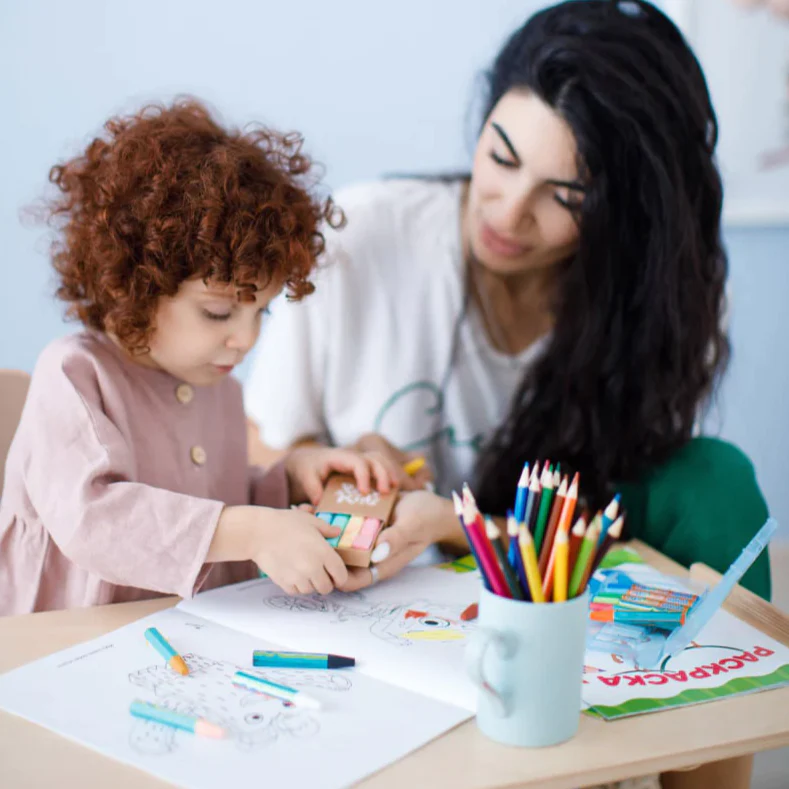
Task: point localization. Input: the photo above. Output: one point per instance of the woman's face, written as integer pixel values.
(524, 188)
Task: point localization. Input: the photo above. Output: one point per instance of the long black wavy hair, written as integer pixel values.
(637, 347)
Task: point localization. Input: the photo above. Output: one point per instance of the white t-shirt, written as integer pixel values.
(370, 350)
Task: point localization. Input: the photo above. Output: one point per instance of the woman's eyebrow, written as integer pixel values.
(576, 186)
(506, 140)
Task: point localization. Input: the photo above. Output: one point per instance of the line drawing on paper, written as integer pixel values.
(252, 720)
(394, 623)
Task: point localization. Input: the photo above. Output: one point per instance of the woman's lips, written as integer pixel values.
(499, 245)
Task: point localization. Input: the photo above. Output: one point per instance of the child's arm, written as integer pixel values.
(81, 479)
(288, 545)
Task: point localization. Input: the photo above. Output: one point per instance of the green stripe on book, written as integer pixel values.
(733, 687)
(465, 564)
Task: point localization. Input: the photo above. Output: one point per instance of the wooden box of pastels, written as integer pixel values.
(361, 517)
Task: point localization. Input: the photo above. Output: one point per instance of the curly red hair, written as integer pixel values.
(167, 195)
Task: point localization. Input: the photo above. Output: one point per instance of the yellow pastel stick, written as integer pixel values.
(529, 556)
(560, 567)
(350, 532)
(413, 466)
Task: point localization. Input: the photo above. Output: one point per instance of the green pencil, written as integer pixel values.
(545, 508)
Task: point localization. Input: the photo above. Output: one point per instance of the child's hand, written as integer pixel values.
(292, 550)
(288, 545)
(308, 468)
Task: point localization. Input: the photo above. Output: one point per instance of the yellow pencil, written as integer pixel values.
(560, 567)
(529, 556)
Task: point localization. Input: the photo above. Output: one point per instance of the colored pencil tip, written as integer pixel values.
(456, 500)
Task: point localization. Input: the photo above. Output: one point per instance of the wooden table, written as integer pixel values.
(31, 756)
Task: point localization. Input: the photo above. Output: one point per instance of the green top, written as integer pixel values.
(703, 505)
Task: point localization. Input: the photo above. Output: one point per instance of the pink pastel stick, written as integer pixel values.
(365, 539)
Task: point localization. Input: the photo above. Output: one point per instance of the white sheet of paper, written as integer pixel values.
(406, 630)
(84, 693)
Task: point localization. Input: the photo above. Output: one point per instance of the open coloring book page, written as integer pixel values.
(407, 630)
(84, 693)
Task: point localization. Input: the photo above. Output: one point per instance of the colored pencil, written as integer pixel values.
(177, 720)
(163, 647)
(609, 516)
(583, 564)
(494, 535)
(476, 529)
(560, 572)
(522, 493)
(568, 509)
(553, 522)
(514, 555)
(563, 525)
(545, 508)
(613, 534)
(576, 536)
(472, 547)
(529, 559)
(260, 685)
(265, 658)
(532, 505)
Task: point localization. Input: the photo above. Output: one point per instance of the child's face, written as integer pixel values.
(204, 331)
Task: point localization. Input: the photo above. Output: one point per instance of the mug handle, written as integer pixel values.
(478, 646)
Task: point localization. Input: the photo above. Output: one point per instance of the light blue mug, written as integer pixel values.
(527, 660)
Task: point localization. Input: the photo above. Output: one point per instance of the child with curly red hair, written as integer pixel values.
(128, 474)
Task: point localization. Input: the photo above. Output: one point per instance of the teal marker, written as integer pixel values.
(177, 720)
(262, 658)
(163, 647)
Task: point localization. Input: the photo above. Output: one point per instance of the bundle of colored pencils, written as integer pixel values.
(545, 558)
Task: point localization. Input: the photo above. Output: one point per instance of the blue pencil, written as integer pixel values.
(514, 555)
(609, 516)
(522, 494)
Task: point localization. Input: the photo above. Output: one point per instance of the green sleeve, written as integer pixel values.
(703, 505)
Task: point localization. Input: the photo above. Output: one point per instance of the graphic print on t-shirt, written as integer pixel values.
(420, 404)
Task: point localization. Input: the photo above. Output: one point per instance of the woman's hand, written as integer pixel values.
(420, 519)
(309, 467)
(395, 459)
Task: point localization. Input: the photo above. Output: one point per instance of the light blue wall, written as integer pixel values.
(375, 87)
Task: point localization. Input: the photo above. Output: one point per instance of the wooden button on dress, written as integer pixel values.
(198, 455)
(184, 393)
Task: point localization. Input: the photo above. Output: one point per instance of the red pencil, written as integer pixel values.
(490, 566)
(576, 536)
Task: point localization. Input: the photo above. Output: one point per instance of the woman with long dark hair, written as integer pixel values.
(564, 301)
